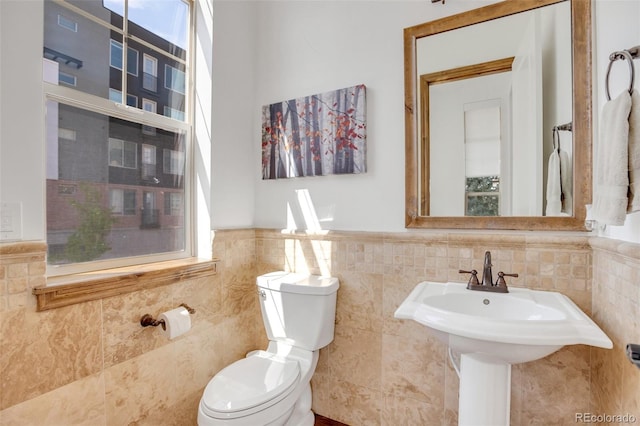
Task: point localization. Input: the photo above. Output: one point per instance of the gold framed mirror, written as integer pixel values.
(419, 157)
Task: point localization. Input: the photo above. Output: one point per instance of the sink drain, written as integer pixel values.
(486, 301)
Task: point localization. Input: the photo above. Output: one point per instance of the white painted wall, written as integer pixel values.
(22, 161)
(308, 47)
(616, 26)
(267, 52)
(234, 102)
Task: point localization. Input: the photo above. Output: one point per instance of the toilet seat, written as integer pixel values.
(250, 385)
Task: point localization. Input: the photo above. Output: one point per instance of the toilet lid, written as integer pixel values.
(250, 382)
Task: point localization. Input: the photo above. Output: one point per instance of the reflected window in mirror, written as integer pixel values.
(482, 158)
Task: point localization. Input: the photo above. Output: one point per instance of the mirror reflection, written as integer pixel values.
(498, 117)
(490, 96)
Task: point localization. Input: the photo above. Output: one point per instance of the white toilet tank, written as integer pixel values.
(298, 309)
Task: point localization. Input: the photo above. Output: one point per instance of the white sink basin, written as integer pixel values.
(491, 331)
(520, 326)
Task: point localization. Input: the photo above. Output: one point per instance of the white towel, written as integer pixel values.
(566, 180)
(554, 188)
(559, 184)
(612, 162)
(634, 154)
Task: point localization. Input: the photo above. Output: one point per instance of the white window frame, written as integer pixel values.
(148, 59)
(122, 163)
(119, 207)
(148, 158)
(74, 98)
(116, 201)
(67, 134)
(169, 198)
(149, 105)
(150, 66)
(173, 162)
(197, 199)
(73, 79)
(67, 23)
(118, 44)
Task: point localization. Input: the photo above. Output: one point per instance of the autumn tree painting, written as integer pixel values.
(315, 135)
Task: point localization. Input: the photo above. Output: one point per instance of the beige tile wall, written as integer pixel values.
(92, 364)
(383, 371)
(615, 382)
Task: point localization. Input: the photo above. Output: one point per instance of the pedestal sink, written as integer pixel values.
(492, 331)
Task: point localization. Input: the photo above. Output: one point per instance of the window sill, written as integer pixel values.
(70, 289)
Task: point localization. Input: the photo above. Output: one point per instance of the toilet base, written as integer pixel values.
(302, 414)
(308, 420)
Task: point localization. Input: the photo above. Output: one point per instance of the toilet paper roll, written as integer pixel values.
(176, 322)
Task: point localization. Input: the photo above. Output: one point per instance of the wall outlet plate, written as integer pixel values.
(10, 221)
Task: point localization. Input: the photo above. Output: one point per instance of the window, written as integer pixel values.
(114, 215)
(123, 201)
(67, 23)
(482, 196)
(116, 96)
(174, 79)
(173, 162)
(174, 113)
(116, 58)
(65, 78)
(67, 134)
(173, 203)
(122, 153)
(150, 215)
(482, 139)
(149, 106)
(149, 162)
(149, 73)
(132, 61)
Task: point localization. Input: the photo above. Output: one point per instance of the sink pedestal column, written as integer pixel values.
(485, 392)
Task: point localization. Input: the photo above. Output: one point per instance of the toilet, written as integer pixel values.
(273, 386)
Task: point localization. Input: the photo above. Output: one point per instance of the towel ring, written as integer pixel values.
(623, 54)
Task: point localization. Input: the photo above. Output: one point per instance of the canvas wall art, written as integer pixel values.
(315, 135)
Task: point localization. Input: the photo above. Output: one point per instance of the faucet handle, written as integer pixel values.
(501, 281)
(473, 279)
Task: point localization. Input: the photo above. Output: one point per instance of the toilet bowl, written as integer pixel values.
(272, 387)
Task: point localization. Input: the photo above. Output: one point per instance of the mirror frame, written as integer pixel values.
(582, 125)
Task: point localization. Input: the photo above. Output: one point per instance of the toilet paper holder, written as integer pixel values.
(148, 321)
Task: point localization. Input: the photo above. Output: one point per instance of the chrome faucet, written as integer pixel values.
(500, 286)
